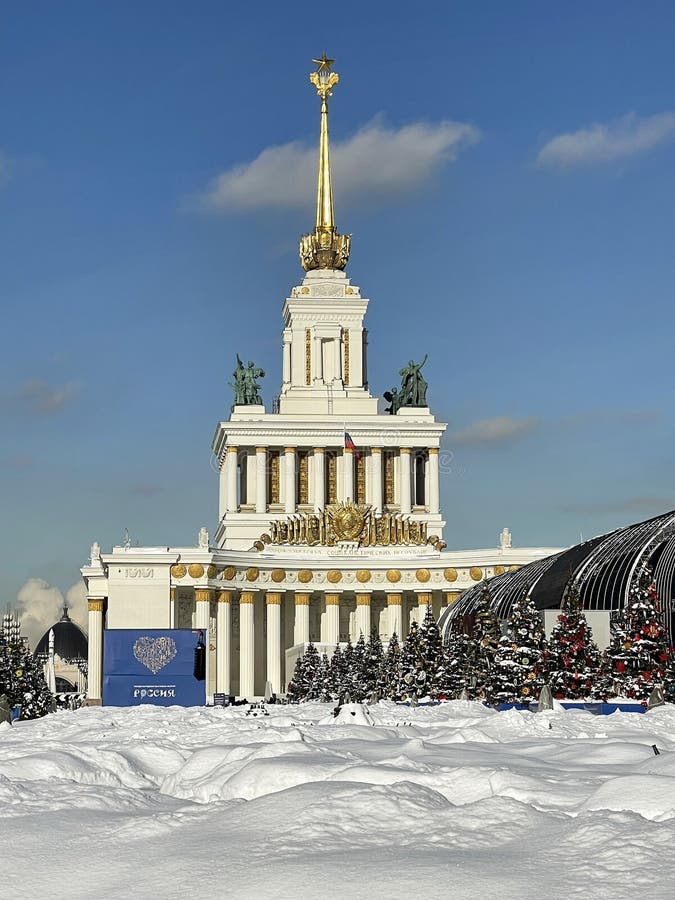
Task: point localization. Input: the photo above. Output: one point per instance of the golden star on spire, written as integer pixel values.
(324, 63)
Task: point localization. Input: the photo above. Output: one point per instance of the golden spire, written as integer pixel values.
(324, 248)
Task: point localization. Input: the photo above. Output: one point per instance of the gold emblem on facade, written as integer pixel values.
(305, 575)
(476, 573)
(229, 572)
(499, 570)
(347, 519)
(178, 571)
(278, 575)
(334, 575)
(363, 575)
(393, 575)
(211, 571)
(450, 574)
(423, 575)
(252, 573)
(195, 570)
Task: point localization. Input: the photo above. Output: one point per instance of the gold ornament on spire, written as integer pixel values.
(324, 248)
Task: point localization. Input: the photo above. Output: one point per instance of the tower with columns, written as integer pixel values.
(319, 537)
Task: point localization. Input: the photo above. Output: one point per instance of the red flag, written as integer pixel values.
(350, 445)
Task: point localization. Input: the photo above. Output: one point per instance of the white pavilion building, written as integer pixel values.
(329, 510)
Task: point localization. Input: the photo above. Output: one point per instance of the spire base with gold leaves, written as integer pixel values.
(325, 249)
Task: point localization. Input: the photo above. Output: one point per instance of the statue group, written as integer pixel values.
(245, 386)
(413, 390)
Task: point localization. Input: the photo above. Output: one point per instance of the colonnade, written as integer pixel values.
(273, 650)
(257, 482)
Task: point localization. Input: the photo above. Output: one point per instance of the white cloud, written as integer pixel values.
(497, 430)
(600, 143)
(37, 396)
(375, 160)
(41, 605)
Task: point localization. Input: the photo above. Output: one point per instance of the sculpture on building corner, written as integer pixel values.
(245, 386)
(413, 390)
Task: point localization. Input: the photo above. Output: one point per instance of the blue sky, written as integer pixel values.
(506, 170)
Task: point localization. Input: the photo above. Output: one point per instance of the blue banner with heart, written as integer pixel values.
(151, 665)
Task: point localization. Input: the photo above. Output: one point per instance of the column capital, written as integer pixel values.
(302, 598)
(424, 597)
(393, 599)
(363, 599)
(347, 450)
(261, 449)
(376, 449)
(404, 450)
(451, 596)
(224, 597)
(332, 599)
(247, 597)
(273, 598)
(433, 451)
(203, 594)
(96, 604)
(289, 449)
(231, 448)
(319, 449)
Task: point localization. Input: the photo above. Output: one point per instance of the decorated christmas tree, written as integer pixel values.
(474, 655)
(572, 658)
(21, 675)
(517, 675)
(412, 677)
(458, 647)
(638, 654)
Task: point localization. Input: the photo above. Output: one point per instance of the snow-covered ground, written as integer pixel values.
(451, 801)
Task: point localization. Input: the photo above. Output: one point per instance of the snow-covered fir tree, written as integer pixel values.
(322, 687)
(388, 677)
(457, 650)
(572, 657)
(21, 675)
(372, 663)
(637, 657)
(517, 675)
(355, 671)
(304, 675)
(337, 672)
(432, 654)
(485, 637)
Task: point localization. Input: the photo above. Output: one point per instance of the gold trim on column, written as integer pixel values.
(247, 597)
(273, 598)
(231, 448)
(172, 594)
(96, 605)
(376, 449)
(319, 449)
(224, 597)
(332, 599)
(308, 355)
(363, 599)
(433, 450)
(203, 594)
(301, 598)
(289, 449)
(451, 596)
(393, 599)
(424, 599)
(347, 450)
(261, 449)
(403, 450)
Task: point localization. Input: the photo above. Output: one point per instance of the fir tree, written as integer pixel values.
(485, 637)
(458, 648)
(638, 654)
(388, 677)
(431, 652)
(572, 658)
(348, 662)
(322, 686)
(372, 663)
(357, 691)
(302, 686)
(21, 674)
(518, 672)
(412, 680)
(337, 673)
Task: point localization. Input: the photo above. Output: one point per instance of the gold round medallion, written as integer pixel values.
(334, 575)
(363, 575)
(211, 571)
(499, 570)
(348, 522)
(278, 575)
(195, 570)
(178, 571)
(450, 574)
(229, 572)
(305, 575)
(393, 575)
(252, 573)
(423, 575)
(476, 573)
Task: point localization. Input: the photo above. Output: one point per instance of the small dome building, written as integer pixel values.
(70, 654)
(602, 568)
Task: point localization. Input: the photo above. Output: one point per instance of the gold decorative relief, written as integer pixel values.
(363, 575)
(305, 575)
(423, 575)
(178, 571)
(252, 573)
(211, 571)
(229, 572)
(334, 575)
(393, 575)
(450, 574)
(195, 570)
(476, 573)
(278, 575)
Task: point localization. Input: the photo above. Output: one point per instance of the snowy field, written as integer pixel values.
(453, 801)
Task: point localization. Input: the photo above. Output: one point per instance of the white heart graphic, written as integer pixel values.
(155, 653)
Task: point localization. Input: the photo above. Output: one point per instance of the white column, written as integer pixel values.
(433, 499)
(261, 479)
(348, 465)
(406, 486)
(231, 490)
(331, 631)
(95, 651)
(376, 475)
(301, 629)
(202, 615)
(319, 478)
(289, 464)
(286, 365)
(273, 606)
(223, 641)
(395, 615)
(363, 615)
(246, 645)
